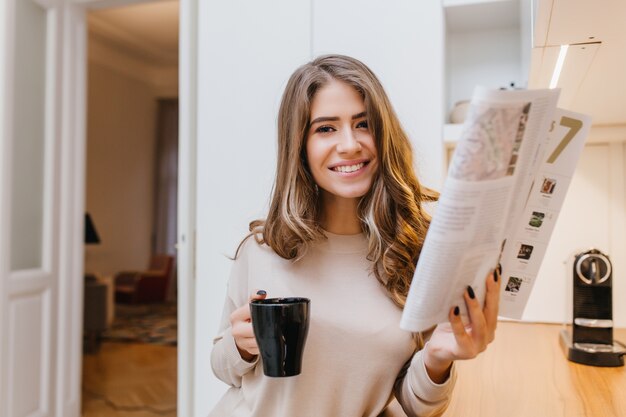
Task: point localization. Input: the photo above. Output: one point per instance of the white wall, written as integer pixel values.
(123, 88)
(245, 58)
(402, 42)
(121, 124)
(162, 77)
(490, 58)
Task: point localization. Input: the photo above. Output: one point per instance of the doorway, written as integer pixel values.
(131, 188)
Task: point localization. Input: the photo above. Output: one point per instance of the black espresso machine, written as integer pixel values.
(590, 341)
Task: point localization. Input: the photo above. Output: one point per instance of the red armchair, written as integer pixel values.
(145, 286)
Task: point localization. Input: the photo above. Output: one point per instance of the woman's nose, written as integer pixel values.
(348, 143)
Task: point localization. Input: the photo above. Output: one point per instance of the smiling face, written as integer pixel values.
(340, 149)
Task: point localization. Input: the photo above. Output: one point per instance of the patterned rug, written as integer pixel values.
(155, 323)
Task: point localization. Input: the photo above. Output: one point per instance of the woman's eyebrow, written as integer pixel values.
(325, 119)
(335, 118)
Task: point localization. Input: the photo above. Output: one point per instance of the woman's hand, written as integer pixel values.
(452, 341)
(241, 324)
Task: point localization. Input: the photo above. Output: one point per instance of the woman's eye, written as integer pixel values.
(362, 124)
(324, 129)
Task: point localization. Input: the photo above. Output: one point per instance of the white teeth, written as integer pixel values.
(349, 168)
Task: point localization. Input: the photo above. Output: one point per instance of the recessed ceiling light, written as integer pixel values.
(559, 66)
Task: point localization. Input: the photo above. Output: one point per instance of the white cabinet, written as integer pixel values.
(487, 43)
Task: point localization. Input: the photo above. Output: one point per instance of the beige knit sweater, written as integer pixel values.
(355, 351)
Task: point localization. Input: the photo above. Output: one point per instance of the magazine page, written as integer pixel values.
(525, 250)
(503, 136)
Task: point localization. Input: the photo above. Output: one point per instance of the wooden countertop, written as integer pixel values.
(524, 373)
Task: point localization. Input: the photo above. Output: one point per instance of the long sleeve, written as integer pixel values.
(418, 395)
(356, 355)
(226, 361)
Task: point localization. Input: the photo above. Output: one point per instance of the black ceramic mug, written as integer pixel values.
(280, 328)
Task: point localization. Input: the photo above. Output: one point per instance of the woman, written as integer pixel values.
(345, 229)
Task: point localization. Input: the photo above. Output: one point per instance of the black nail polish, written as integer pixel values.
(456, 311)
(261, 292)
(470, 291)
(499, 270)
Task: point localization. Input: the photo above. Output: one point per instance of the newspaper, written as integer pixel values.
(505, 187)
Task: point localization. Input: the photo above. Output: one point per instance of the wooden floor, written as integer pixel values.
(134, 380)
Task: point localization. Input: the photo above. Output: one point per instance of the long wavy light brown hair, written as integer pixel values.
(391, 213)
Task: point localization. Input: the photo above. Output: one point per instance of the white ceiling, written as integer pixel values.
(146, 30)
(593, 75)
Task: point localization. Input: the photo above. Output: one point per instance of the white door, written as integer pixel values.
(187, 139)
(42, 171)
(40, 216)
